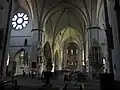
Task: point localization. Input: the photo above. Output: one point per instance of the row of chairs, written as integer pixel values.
(66, 86)
(4, 85)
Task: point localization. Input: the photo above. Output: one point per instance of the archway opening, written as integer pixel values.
(48, 57)
(20, 62)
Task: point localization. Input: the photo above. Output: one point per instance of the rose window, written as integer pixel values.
(20, 20)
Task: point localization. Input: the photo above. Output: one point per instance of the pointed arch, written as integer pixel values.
(50, 12)
(47, 51)
(20, 50)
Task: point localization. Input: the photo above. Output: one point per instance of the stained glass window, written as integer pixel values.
(19, 21)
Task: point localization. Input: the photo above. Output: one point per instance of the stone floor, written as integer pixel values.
(27, 83)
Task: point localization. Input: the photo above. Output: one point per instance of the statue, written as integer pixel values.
(95, 42)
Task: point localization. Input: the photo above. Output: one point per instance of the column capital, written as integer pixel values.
(37, 29)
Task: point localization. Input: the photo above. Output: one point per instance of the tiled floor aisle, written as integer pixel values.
(32, 84)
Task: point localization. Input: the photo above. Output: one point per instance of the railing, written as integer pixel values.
(3, 84)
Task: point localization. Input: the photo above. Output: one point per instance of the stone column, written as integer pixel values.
(94, 32)
(5, 15)
(35, 42)
(60, 58)
(87, 55)
(79, 62)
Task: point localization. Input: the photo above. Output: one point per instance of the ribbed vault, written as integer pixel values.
(66, 23)
(63, 21)
(70, 34)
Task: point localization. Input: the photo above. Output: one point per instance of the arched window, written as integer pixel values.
(83, 63)
(67, 51)
(71, 51)
(76, 51)
(25, 42)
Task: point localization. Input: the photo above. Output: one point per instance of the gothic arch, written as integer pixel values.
(19, 51)
(19, 62)
(77, 9)
(47, 51)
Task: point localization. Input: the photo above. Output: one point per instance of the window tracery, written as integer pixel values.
(20, 21)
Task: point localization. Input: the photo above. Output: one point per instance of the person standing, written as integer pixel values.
(66, 78)
(23, 73)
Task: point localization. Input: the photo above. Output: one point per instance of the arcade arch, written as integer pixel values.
(20, 62)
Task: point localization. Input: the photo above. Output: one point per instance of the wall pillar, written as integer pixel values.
(5, 17)
(116, 50)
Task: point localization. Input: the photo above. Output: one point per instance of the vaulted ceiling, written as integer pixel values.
(67, 18)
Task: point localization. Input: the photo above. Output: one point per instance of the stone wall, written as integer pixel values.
(116, 50)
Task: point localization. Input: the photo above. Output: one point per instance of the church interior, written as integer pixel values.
(78, 38)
